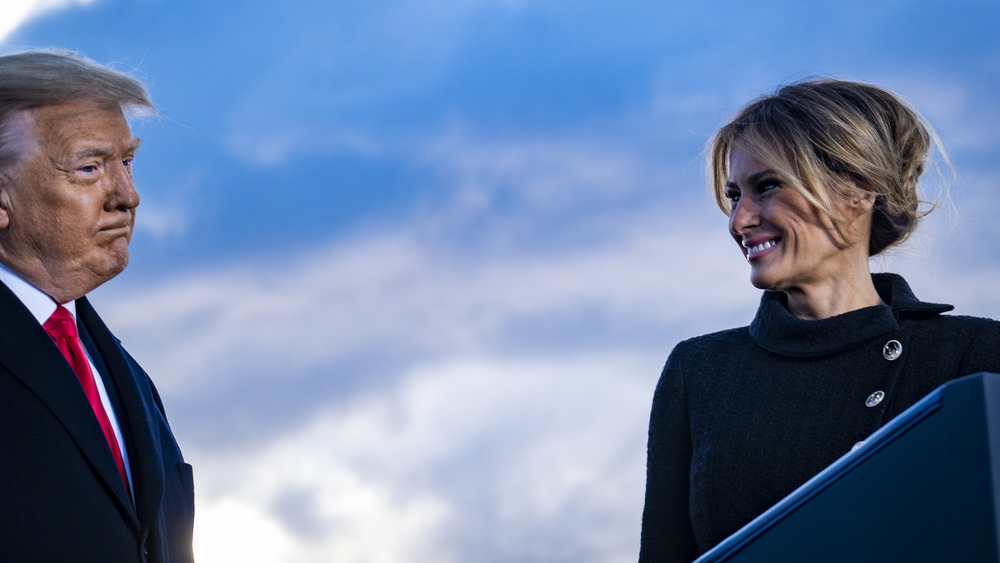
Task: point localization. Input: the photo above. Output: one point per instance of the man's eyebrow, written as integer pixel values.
(107, 150)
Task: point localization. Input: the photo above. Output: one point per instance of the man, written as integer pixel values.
(89, 469)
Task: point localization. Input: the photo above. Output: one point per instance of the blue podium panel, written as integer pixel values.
(922, 488)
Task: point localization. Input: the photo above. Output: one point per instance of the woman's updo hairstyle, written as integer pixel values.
(832, 137)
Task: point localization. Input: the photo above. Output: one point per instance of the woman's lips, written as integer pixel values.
(756, 249)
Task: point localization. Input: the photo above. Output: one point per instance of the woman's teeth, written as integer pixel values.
(760, 247)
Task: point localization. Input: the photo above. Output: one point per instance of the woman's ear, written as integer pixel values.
(862, 198)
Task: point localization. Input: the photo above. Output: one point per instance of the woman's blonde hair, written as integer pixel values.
(832, 137)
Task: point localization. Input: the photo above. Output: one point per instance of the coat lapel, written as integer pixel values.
(132, 383)
(28, 353)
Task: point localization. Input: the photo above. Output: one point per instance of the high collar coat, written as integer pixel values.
(742, 417)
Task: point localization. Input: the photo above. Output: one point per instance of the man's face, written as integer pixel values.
(67, 210)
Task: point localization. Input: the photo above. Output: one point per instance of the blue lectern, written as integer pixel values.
(925, 487)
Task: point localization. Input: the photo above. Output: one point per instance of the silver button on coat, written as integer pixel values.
(874, 399)
(892, 350)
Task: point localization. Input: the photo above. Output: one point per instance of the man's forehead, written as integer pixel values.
(80, 126)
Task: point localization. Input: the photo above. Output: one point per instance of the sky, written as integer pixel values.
(405, 273)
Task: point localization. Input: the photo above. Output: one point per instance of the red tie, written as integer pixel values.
(62, 328)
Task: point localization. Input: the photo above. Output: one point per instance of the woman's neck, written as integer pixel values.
(833, 296)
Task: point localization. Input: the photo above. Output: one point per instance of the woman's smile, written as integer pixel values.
(755, 250)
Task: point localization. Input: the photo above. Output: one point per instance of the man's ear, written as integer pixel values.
(4, 202)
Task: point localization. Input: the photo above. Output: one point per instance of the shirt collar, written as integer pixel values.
(41, 305)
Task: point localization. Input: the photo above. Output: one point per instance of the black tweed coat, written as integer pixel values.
(742, 417)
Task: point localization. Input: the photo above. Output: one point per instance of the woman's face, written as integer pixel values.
(789, 243)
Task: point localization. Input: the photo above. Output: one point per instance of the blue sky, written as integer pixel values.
(406, 273)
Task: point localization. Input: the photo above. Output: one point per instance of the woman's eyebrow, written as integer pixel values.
(752, 179)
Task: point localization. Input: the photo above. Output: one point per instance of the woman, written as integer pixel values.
(815, 179)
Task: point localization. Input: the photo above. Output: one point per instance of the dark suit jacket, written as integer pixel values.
(61, 498)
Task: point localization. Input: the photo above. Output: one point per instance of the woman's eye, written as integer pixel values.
(733, 197)
(768, 185)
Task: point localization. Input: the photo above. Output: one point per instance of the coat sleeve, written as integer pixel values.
(667, 535)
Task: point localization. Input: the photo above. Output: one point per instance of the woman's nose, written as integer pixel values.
(744, 216)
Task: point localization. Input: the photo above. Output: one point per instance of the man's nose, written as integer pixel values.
(123, 193)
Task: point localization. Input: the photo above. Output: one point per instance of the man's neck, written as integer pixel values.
(40, 304)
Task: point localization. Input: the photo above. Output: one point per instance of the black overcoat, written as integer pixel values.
(61, 497)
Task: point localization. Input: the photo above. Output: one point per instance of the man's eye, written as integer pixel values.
(127, 162)
(90, 169)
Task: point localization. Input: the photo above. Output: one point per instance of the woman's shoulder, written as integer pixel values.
(956, 344)
(924, 316)
(959, 324)
(713, 343)
(699, 359)
(720, 336)
(972, 337)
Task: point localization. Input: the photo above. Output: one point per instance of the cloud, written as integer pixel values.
(474, 379)
(14, 13)
(544, 173)
(486, 459)
(957, 105)
(162, 222)
(523, 238)
(330, 89)
(399, 294)
(394, 396)
(504, 395)
(468, 400)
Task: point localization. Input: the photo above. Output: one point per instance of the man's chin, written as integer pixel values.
(112, 266)
(116, 267)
